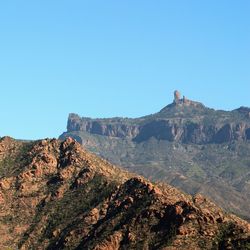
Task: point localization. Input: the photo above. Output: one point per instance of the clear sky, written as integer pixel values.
(117, 58)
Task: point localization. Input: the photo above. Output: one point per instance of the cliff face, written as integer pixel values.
(109, 127)
(186, 122)
(192, 132)
(56, 195)
(193, 147)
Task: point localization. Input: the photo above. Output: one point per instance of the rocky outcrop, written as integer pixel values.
(177, 96)
(232, 132)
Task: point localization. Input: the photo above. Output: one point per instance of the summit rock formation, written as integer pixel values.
(186, 144)
(56, 195)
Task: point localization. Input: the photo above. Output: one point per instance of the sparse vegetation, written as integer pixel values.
(85, 202)
(230, 236)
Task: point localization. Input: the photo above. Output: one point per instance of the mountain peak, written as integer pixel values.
(182, 106)
(184, 101)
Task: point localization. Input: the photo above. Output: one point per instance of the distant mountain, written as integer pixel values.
(56, 195)
(186, 144)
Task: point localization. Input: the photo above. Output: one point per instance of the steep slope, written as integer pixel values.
(56, 195)
(186, 144)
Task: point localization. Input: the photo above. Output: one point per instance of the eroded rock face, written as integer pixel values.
(114, 128)
(183, 121)
(197, 133)
(160, 130)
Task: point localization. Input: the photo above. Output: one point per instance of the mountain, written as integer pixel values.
(56, 195)
(186, 144)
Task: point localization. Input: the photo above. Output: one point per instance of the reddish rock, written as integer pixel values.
(66, 197)
(178, 210)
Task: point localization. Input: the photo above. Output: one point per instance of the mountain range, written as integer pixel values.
(56, 195)
(186, 144)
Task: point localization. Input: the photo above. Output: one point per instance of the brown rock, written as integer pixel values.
(5, 183)
(112, 243)
(178, 209)
(2, 200)
(199, 199)
(177, 96)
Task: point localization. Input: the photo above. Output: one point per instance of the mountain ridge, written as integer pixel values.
(56, 195)
(183, 120)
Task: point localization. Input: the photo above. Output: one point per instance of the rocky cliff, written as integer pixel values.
(56, 195)
(116, 127)
(182, 121)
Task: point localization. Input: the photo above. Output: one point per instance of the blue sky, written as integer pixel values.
(117, 58)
